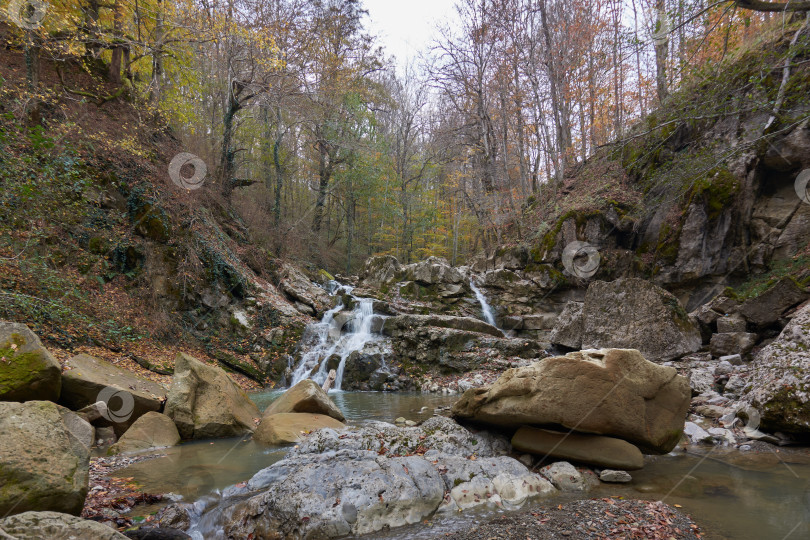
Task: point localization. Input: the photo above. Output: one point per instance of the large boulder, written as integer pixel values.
(308, 297)
(205, 403)
(780, 379)
(87, 380)
(395, 326)
(636, 314)
(380, 271)
(287, 428)
(54, 526)
(44, 458)
(567, 330)
(27, 369)
(614, 392)
(770, 306)
(581, 447)
(328, 486)
(433, 271)
(305, 397)
(152, 430)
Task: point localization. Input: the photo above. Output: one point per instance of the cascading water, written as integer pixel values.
(489, 315)
(328, 338)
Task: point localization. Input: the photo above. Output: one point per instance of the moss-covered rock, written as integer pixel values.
(27, 369)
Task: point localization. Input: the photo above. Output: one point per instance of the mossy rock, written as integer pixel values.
(27, 369)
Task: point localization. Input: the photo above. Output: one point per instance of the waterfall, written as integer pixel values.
(326, 339)
(489, 315)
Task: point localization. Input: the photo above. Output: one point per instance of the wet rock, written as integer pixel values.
(580, 447)
(152, 430)
(770, 306)
(87, 380)
(568, 329)
(305, 397)
(780, 377)
(645, 407)
(27, 370)
(44, 458)
(634, 313)
(205, 403)
(615, 477)
(564, 477)
(732, 343)
(156, 533)
(287, 428)
(55, 526)
(307, 297)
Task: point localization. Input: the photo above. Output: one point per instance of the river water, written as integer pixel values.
(732, 494)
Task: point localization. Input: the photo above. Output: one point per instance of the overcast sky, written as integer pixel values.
(406, 27)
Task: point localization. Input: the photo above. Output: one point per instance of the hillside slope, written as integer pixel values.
(700, 195)
(101, 252)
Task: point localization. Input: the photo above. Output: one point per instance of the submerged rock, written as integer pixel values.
(614, 392)
(581, 447)
(205, 403)
(55, 526)
(286, 428)
(779, 385)
(27, 371)
(44, 458)
(305, 397)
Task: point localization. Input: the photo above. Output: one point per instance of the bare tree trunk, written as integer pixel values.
(555, 95)
(661, 44)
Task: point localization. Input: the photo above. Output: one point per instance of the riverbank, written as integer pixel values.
(587, 519)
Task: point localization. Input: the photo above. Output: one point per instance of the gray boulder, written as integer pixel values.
(633, 313)
(87, 380)
(44, 458)
(27, 369)
(305, 397)
(205, 403)
(729, 343)
(339, 489)
(770, 306)
(780, 378)
(380, 271)
(568, 328)
(54, 526)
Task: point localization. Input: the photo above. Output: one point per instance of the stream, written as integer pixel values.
(732, 494)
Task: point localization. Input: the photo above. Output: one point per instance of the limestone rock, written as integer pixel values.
(305, 397)
(87, 380)
(286, 428)
(731, 323)
(55, 526)
(564, 477)
(27, 370)
(402, 323)
(615, 477)
(779, 386)
(730, 343)
(152, 430)
(380, 271)
(44, 458)
(614, 392)
(205, 403)
(300, 290)
(634, 313)
(701, 380)
(580, 447)
(770, 306)
(568, 328)
(696, 434)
